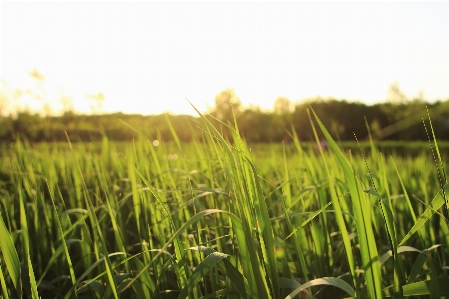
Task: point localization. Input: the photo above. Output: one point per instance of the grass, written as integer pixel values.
(216, 219)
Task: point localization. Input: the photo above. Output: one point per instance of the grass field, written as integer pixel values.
(221, 220)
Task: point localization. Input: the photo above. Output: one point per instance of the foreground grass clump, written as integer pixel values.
(208, 220)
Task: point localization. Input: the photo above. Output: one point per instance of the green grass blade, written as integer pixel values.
(267, 234)
(407, 198)
(247, 197)
(3, 283)
(195, 218)
(96, 228)
(332, 281)
(200, 271)
(173, 132)
(436, 203)
(135, 193)
(10, 257)
(310, 218)
(401, 249)
(74, 289)
(419, 263)
(292, 284)
(63, 241)
(416, 268)
(23, 225)
(34, 293)
(387, 214)
(182, 272)
(107, 262)
(426, 288)
(56, 254)
(231, 272)
(147, 282)
(440, 168)
(238, 280)
(336, 203)
(362, 213)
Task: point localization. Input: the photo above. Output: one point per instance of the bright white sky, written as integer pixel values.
(148, 57)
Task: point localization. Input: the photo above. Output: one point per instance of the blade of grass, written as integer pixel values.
(252, 266)
(96, 228)
(391, 231)
(334, 198)
(427, 288)
(55, 256)
(10, 257)
(437, 202)
(362, 213)
(332, 281)
(236, 222)
(440, 168)
(148, 285)
(310, 218)
(3, 283)
(200, 271)
(231, 272)
(89, 270)
(63, 241)
(34, 293)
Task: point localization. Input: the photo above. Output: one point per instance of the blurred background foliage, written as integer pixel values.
(396, 119)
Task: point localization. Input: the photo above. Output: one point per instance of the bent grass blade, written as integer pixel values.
(331, 281)
(10, 257)
(200, 271)
(236, 222)
(438, 201)
(362, 213)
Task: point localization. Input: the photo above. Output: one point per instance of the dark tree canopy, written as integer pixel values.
(394, 120)
(227, 103)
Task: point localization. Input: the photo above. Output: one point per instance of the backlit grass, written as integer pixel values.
(216, 219)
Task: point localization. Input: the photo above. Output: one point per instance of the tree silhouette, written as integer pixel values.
(96, 102)
(282, 105)
(227, 103)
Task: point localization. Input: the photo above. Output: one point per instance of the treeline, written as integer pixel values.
(87, 128)
(387, 121)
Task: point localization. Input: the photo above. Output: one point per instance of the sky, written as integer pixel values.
(150, 57)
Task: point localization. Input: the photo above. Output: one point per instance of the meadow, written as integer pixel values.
(216, 218)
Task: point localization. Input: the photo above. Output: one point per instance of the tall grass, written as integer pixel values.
(212, 219)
